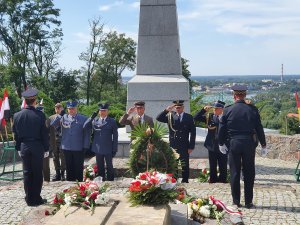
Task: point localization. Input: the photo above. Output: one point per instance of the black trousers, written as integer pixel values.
(216, 158)
(32, 154)
(74, 165)
(101, 161)
(242, 153)
(184, 157)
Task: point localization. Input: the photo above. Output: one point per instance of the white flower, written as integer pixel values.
(194, 207)
(204, 211)
(68, 199)
(168, 186)
(101, 199)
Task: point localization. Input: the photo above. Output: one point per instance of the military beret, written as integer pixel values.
(58, 105)
(139, 104)
(219, 104)
(178, 102)
(103, 106)
(30, 93)
(72, 104)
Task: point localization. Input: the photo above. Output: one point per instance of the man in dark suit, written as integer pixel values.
(139, 117)
(216, 158)
(105, 142)
(240, 122)
(74, 140)
(32, 144)
(182, 133)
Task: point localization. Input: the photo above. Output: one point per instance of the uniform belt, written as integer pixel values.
(241, 136)
(29, 139)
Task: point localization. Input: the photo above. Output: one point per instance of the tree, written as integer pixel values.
(25, 24)
(185, 71)
(92, 53)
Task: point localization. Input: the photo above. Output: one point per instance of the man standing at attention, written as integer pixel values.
(105, 141)
(32, 144)
(182, 133)
(74, 140)
(138, 118)
(240, 123)
(55, 141)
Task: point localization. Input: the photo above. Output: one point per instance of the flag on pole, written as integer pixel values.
(298, 104)
(5, 105)
(2, 120)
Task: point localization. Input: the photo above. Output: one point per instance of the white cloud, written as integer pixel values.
(255, 18)
(110, 6)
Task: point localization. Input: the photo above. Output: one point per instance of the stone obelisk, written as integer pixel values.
(159, 78)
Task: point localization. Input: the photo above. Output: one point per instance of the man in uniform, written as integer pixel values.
(182, 133)
(138, 118)
(55, 141)
(74, 141)
(32, 144)
(211, 142)
(105, 141)
(240, 123)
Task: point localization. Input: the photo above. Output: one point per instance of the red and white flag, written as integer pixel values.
(2, 121)
(5, 109)
(23, 106)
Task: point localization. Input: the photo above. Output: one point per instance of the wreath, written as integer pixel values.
(149, 151)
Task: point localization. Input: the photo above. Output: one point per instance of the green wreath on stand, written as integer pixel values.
(150, 152)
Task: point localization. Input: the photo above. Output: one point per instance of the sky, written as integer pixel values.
(218, 37)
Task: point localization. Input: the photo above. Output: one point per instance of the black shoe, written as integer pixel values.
(41, 202)
(237, 205)
(249, 205)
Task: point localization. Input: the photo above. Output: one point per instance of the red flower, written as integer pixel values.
(94, 195)
(204, 171)
(86, 203)
(82, 193)
(66, 190)
(47, 213)
(55, 200)
(82, 187)
(173, 180)
(60, 200)
(95, 169)
(153, 180)
(143, 176)
(169, 174)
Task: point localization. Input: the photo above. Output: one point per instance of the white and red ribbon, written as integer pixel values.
(223, 206)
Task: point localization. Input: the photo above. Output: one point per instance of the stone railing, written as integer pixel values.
(283, 147)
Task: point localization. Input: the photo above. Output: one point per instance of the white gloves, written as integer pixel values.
(19, 153)
(264, 151)
(46, 154)
(223, 149)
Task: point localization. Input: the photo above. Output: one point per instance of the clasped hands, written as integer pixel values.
(223, 149)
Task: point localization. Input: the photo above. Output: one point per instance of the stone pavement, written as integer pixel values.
(276, 194)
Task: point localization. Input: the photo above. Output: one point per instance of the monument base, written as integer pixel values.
(158, 92)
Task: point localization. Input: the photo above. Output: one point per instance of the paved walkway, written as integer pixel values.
(276, 194)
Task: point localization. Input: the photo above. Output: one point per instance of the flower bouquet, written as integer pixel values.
(86, 195)
(202, 208)
(203, 175)
(90, 172)
(152, 188)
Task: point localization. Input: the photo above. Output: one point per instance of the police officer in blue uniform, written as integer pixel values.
(216, 158)
(32, 144)
(105, 142)
(74, 140)
(182, 133)
(241, 124)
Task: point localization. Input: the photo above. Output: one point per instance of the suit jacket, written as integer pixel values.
(105, 136)
(183, 135)
(132, 121)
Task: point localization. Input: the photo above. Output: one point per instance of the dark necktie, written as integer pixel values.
(140, 120)
(102, 121)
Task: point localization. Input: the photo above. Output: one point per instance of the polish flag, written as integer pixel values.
(5, 109)
(2, 121)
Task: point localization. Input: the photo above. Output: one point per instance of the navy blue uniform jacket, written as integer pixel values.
(105, 137)
(185, 135)
(30, 125)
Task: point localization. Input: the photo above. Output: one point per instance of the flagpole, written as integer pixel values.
(11, 126)
(6, 135)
